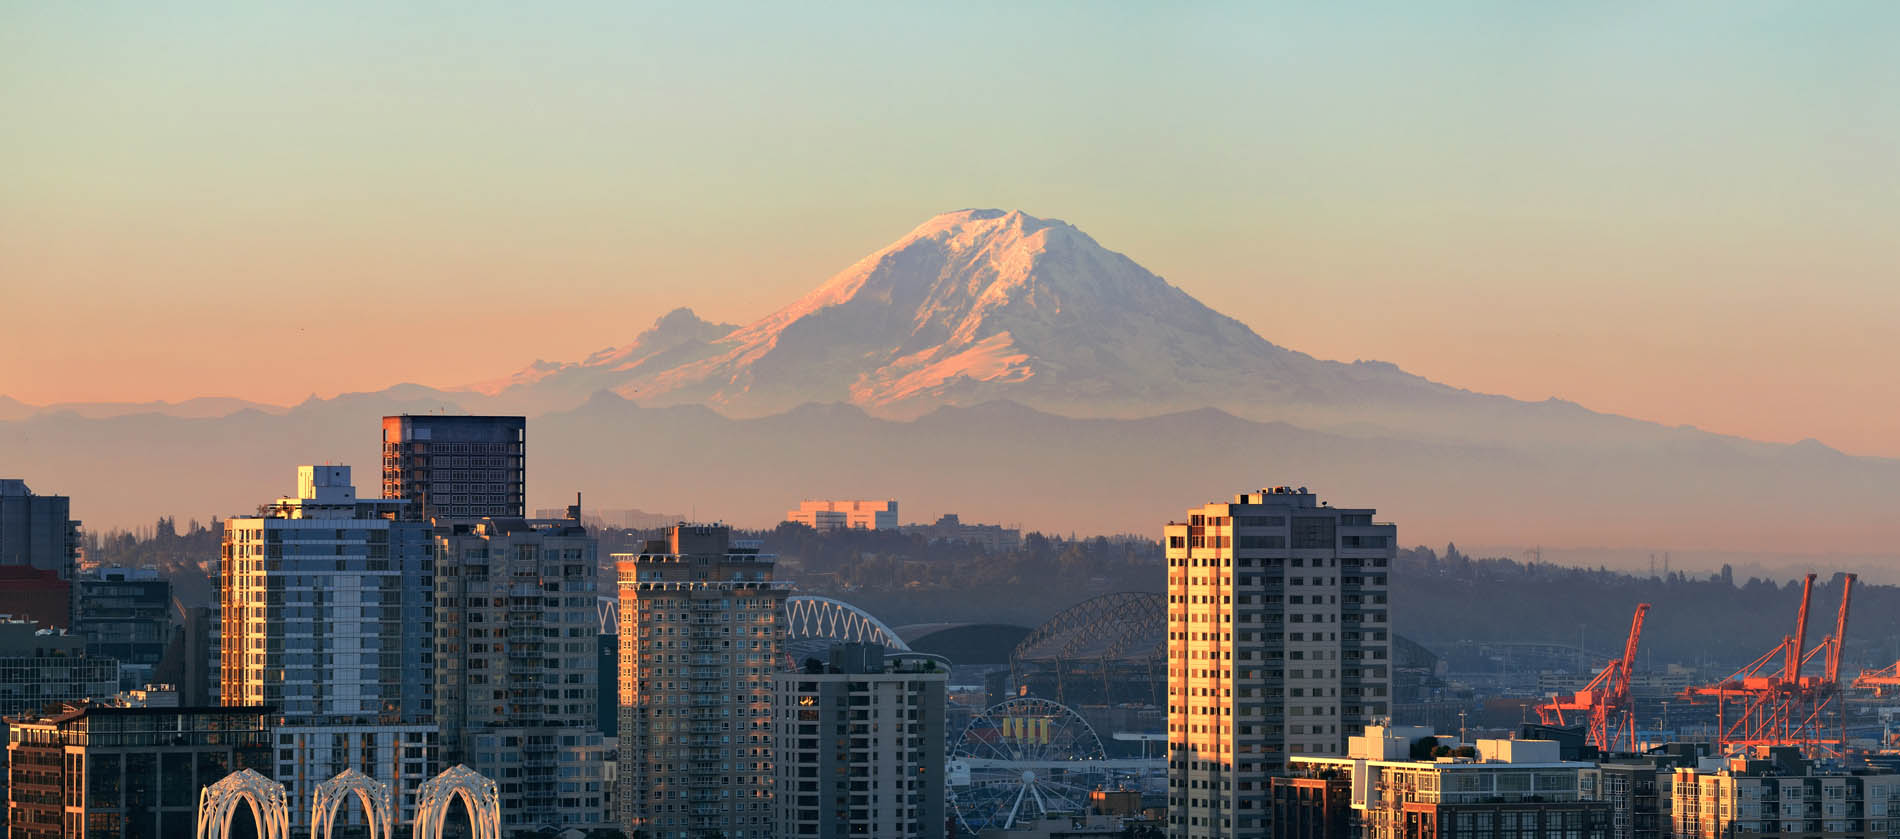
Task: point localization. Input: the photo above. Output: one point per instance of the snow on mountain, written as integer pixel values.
(971, 306)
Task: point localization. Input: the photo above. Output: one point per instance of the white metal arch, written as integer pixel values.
(806, 617)
(379, 810)
(218, 803)
(438, 794)
(809, 616)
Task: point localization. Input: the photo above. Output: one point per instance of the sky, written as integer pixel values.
(1680, 212)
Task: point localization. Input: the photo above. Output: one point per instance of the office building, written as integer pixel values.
(845, 515)
(859, 745)
(326, 617)
(40, 666)
(456, 467)
(125, 613)
(111, 771)
(1497, 788)
(1278, 645)
(516, 658)
(700, 635)
(1778, 793)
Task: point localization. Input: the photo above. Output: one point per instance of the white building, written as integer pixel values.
(1278, 645)
(845, 515)
(889, 782)
(700, 637)
(326, 617)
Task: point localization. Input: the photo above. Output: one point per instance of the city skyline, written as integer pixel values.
(1662, 213)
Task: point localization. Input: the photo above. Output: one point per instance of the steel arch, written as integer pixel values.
(806, 617)
(1124, 626)
(822, 618)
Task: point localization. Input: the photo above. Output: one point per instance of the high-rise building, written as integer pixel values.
(700, 635)
(845, 515)
(456, 467)
(859, 745)
(326, 617)
(125, 613)
(110, 771)
(39, 532)
(1278, 644)
(516, 680)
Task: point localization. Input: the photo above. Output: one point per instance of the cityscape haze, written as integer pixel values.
(991, 421)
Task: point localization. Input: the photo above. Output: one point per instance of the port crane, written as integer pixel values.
(1770, 703)
(1604, 704)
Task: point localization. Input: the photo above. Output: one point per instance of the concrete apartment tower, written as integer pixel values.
(457, 467)
(516, 676)
(1279, 644)
(700, 636)
(889, 707)
(326, 617)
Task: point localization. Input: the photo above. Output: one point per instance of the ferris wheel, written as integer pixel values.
(1023, 758)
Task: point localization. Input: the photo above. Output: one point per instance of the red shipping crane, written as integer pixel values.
(1770, 703)
(1604, 704)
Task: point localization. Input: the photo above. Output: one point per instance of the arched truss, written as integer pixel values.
(806, 617)
(379, 810)
(1125, 626)
(1111, 645)
(438, 794)
(218, 803)
(822, 618)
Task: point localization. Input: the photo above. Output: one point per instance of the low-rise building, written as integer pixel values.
(845, 515)
(40, 666)
(1501, 788)
(1780, 793)
(108, 771)
(994, 538)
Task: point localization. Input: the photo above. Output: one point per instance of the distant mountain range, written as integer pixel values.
(1008, 368)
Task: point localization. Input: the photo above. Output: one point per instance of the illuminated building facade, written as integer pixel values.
(700, 637)
(1279, 644)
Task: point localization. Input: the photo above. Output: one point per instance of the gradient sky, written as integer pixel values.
(1684, 212)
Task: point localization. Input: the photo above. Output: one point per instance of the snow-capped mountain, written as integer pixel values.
(973, 306)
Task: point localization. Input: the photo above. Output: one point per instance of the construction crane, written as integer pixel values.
(1770, 703)
(1604, 704)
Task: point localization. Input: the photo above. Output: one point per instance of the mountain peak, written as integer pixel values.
(971, 306)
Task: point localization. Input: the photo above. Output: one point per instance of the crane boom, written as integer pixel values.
(1840, 631)
(1792, 669)
(1629, 651)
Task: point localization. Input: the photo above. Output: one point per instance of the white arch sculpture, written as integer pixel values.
(437, 795)
(379, 809)
(218, 803)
